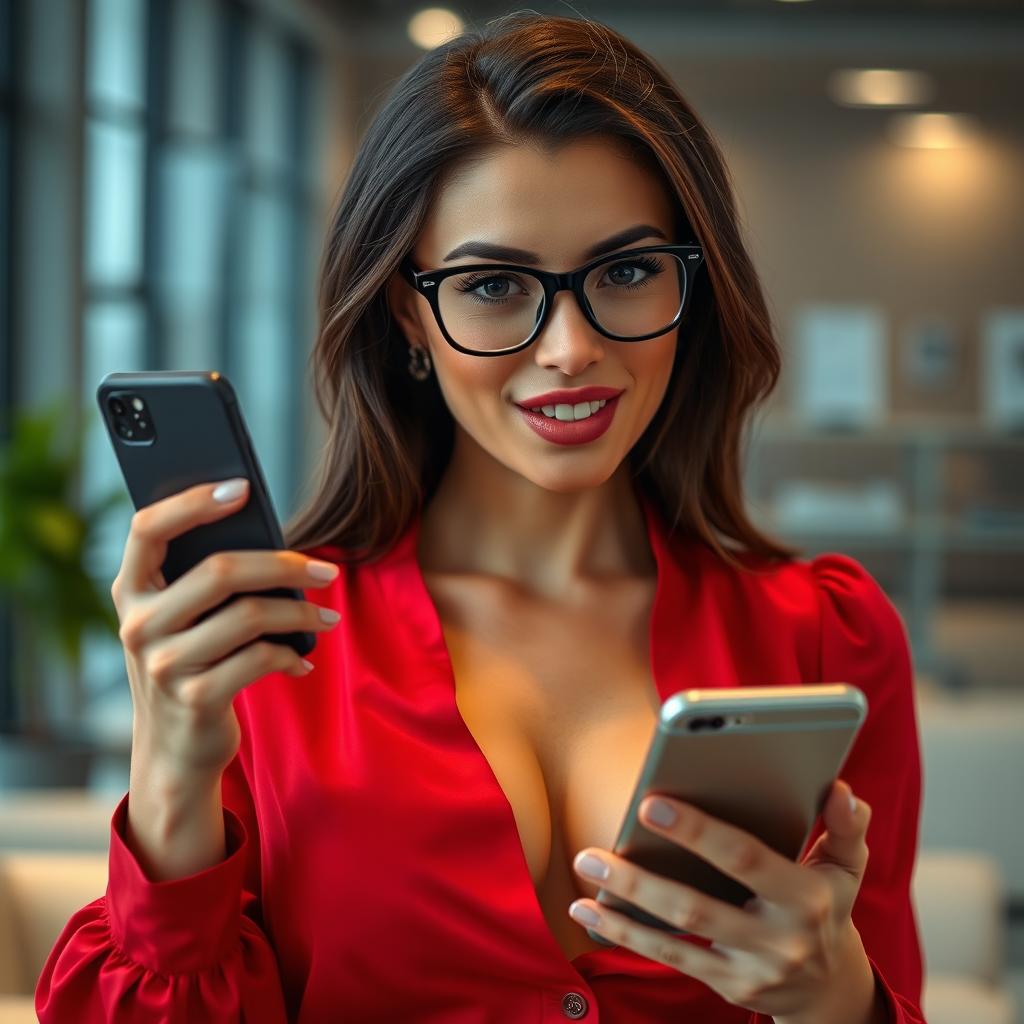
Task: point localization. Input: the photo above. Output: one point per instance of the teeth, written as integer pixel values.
(579, 411)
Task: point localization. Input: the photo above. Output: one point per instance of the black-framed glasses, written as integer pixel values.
(493, 309)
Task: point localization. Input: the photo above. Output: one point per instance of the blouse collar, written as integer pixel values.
(679, 561)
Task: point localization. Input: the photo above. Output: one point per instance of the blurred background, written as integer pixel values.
(166, 172)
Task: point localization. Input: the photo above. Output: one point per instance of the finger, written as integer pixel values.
(215, 579)
(154, 525)
(241, 622)
(219, 683)
(707, 965)
(685, 908)
(733, 851)
(843, 844)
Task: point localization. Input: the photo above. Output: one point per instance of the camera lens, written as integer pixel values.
(696, 725)
(718, 721)
(117, 406)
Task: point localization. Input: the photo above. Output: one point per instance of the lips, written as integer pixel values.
(572, 432)
(570, 397)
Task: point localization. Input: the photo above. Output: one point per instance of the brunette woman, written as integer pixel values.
(541, 338)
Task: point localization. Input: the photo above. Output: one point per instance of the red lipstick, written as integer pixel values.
(569, 432)
(570, 397)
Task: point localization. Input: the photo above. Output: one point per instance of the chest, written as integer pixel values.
(561, 702)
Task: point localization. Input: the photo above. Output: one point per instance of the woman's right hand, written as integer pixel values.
(183, 674)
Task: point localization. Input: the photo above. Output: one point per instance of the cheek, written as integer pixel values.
(474, 387)
(651, 368)
(470, 384)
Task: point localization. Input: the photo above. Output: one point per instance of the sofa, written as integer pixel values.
(53, 860)
(958, 896)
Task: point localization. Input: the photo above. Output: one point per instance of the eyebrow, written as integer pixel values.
(509, 254)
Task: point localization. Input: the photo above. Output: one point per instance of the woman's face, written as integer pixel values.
(558, 207)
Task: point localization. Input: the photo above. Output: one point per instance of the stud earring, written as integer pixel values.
(419, 362)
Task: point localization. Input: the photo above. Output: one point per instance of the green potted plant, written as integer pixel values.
(45, 540)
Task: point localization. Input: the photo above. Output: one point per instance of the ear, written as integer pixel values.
(402, 302)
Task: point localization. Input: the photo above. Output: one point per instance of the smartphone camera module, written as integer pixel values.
(706, 723)
(131, 418)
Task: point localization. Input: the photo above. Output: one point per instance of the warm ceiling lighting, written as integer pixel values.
(880, 87)
(932, 131)
(433, 26)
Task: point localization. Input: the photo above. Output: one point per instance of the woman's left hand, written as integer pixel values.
(788, 948)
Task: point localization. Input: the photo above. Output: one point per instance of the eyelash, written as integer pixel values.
(647, 263)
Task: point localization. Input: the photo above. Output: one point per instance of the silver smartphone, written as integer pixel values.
(762, 758)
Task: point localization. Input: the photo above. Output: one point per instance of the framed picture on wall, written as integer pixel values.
(841, 364)
(1002, 370)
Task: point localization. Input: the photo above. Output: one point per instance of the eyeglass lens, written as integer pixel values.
(488, 311)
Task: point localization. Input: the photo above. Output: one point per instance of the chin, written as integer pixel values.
(562, 482)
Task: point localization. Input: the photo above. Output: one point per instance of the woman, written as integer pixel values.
(399, 835)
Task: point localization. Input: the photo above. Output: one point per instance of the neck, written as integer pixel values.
(489, 520)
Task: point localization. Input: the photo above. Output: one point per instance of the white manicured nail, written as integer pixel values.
(230, 489)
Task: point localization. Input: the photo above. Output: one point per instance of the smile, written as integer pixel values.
(567, 413)
(571, 424)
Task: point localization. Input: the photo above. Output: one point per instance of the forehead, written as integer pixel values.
(554, 203)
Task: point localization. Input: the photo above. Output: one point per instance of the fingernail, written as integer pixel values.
(329, 615)
(582, 913)
(592, 867)
(660, 813)
(308, 665)
(230, 489)
(322, 570)
(853, 802)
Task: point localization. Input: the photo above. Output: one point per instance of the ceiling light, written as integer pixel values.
(880, 87)
(932, 131)
(433, 26)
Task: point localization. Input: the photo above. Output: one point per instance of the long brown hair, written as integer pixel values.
(545, 80)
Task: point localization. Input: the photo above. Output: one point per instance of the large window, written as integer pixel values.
(7, 709)
(164, 158)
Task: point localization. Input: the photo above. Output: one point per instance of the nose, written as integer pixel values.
(567, 341)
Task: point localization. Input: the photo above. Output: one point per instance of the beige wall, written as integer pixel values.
(833, 211)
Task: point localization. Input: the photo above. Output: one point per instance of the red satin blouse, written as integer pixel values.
(374, 871)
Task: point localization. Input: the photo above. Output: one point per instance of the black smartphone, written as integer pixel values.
(762, 758)
(173, 429)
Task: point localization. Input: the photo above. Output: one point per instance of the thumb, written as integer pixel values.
(843, 842)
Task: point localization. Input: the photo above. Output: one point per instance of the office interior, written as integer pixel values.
(167, 170)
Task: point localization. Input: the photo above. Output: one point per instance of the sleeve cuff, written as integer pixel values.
(901, 1010)
(186, 924)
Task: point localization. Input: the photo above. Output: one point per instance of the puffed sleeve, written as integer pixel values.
(175, 952)
(863, 642)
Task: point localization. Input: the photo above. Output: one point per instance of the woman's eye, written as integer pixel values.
(626, 273)
(494, 288)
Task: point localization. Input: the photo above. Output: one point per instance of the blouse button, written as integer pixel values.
(574, 1005)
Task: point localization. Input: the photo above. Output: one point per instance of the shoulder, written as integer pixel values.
(857, 615)
(862, 638)
(831, 606)
(835, 588)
